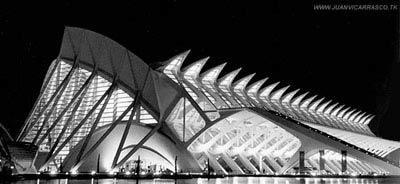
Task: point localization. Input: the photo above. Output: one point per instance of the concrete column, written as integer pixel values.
(344, 161)
(321, 160)
(301, 162)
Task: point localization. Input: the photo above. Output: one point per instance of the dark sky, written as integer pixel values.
(350, 57)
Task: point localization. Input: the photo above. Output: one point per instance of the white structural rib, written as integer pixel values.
(304, 107)
(312, 109)
(211, 75)
(287, 100)
(315, 104)
(321, 109)
(348, 114)
(328, 111)
(173, 66)
(252, 90)
(208, 79)
(190, 74)
(342, 112)
(353, 116)
(362, 120)
(240, 86)
(368, 120)
(321, 113)
(336, 111)
(276, 99)
(264, 94)
(296, 105)
(192, 71)
(358, 118)
(333, 115)
(226, 81)
(224, 84)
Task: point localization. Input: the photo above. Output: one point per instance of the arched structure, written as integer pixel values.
(102, 106)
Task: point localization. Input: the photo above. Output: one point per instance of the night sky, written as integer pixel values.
(350, 57)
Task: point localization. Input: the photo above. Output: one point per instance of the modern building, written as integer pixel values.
(101, 107)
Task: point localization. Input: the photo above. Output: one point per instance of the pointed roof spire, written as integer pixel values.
(358, 118)
(297, 100)
(347, 115)
(277, 94)
(175, 63)
(242, 83)
(361, 121)
(193, 70)
(336, 111)
(315, 104)
(365, 118)
(322, 107)
(228, 78)
(367, 121)
(330, 108)
(254, 87)
(305, 103)
(287, 98)
(265, 92)
(341, 113)
(354, 115)
(212, 74)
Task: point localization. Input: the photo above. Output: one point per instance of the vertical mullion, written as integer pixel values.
(184, 119)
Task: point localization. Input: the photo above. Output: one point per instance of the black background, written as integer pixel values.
(350, 57)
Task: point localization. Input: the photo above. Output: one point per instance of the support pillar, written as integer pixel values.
(301, 162)
(321, 160)
(344, 161)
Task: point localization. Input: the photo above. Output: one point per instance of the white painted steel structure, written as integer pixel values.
(100, 100)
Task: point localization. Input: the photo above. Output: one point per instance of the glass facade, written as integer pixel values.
(235, 128)
(58, 115)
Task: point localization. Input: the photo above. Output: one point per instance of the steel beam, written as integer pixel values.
(98, 142)
(83, 87)
(77, 128)
(136, 111)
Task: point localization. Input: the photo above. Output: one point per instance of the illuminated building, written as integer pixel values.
(101, 102)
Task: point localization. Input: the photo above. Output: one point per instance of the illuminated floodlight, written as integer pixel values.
(354, 174)
(74, 172)
(93, 172)
(53, 172)
(127, 173)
